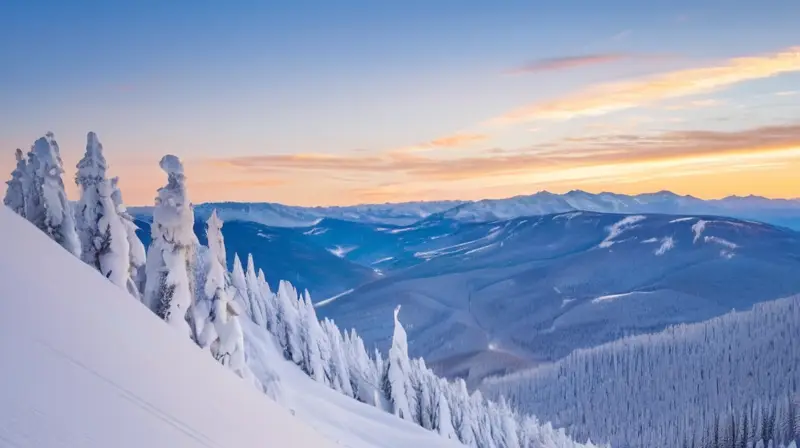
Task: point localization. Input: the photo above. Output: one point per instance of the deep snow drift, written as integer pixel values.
(89, 366)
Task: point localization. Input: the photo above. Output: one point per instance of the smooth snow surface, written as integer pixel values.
(93, 367)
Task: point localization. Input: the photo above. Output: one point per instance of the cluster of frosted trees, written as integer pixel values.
(99, 230)
(678, 386)
(188, 286)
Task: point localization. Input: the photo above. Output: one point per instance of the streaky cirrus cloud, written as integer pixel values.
(448, 142)
(612, 97)
(600, 150)
(568, 62)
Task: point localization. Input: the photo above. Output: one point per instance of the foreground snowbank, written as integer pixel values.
(85, 365)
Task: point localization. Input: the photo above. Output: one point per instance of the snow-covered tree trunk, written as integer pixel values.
(15, 193)
(47, 204)
(168, 289)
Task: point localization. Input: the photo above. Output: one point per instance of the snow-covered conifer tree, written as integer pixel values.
(15, 193)
(47, 206)
(339, 370)
(254, 293)
(169, 289)
(310, 339)
(239, 283)
(396, 383)
(90, 178)
(268, 301)
(287, 330)
(223, 328)
(138, 255)
(110, 242)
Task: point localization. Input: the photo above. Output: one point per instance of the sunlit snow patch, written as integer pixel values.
(612, 297)
(316, 231)
(618, 228)
(341, 251)
(331, 299)
(698, 229)
(667, 243)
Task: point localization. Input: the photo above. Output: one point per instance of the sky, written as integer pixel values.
(315, 102)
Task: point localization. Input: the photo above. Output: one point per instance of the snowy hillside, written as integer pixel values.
(677, 386)
(286, 254)
(527, 290)
(78, 340)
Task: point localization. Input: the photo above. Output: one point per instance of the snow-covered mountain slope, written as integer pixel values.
(534, 289)
(286, 254)
(291, 216)
(92, 367)
(781, 212)
(669, 388)
(337, 417)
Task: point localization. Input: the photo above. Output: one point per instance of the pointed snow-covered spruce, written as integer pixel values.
(222, 329)
(239, 283)
(110, 244)
(47, 206)
(168, 291)
(136, 252)
(89, 178)
(15, 193)
(396, 383)
(254, 292)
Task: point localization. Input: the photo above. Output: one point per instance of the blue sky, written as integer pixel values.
(246, 81)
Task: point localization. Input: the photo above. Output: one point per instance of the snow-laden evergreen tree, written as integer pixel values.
(310, 339)
(15, 193)
(90, 178)
(110, 240)
(169, 287)
(288, 321)
(339, 370)
(239, 284)
(364, 376)
(443, 422)
(397, 381)
(46, 204)
(136, 252)
(268, 301)
(689, 382)
(254, 293)
(222, 331)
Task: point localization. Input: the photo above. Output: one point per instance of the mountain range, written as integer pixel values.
(783, 212)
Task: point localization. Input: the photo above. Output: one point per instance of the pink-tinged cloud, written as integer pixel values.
(612, 97)
(568, 62)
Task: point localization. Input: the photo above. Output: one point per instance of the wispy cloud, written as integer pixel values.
(568, 154)
(448, 142)
(567, 62)
(788, 93)
(607, 98)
